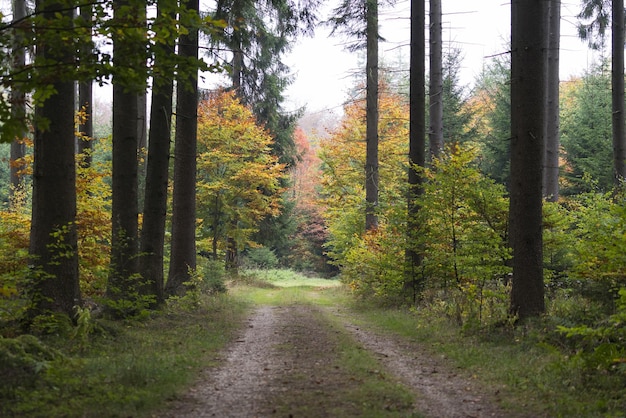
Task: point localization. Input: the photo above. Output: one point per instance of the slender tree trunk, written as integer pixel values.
(124, 206)
(18, 104)
(417, 144)
(371, 158)
(436, 81)
(53, 238)
(553, 141)
(617, 77)
(528, 128)
(85, 97)
(157, 171)
(183, 244)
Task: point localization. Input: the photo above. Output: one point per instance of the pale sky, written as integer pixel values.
(481, 28)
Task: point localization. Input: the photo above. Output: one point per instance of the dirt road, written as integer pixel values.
(285, 364)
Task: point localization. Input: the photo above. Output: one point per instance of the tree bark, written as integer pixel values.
(183, 244)
(553, 141)
(157, 172)
(417, 144)
(617, 83)
(124, 191)
(53, 238)
(18, 104)
(528, 129)
(436, 81)
(371, 158)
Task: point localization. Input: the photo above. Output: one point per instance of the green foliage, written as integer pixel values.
(492, 109)
(23, 362)
(464, 218)
(238, 178)
(374, 265)
(261, 257)
(127, 368)
(586, 132)
(128, 301)
(600, 246)
(602, 346)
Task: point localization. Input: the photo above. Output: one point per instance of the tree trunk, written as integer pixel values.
(18, 104)
(53, 238)
(617, 81)
(157, 171)
(85, 97)
(436, 81)
(124, 203)
(417, 144)
(371, 158)
(528, 129)
(183, 244)
(551, 162)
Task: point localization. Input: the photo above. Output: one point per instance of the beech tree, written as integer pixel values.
(183, 241)
(129, 48)
(17, 100)
(157, 169)
(238, 178)
(53, 237)
(528, 128)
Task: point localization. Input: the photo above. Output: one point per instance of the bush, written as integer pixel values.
(23, 362)
(261, 258)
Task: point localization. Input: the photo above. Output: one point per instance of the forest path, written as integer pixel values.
(287, 362)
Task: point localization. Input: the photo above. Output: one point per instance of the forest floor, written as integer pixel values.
(308, 360)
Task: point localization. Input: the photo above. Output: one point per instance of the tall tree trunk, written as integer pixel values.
(371, 158)
(417, 144)
(53, 238)
(553, 140)
(85, 96)
(124, 205)
(157, 171)
(183, 244)
(436, 81)
(528, 128)
(617, 82)
(18, 104)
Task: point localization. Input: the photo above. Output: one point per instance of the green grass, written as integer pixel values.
(130, 369)
(530, 376)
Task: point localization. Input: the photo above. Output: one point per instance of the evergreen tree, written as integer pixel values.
(414, 281)
(492, 99)
(436, 106)
(586, 133)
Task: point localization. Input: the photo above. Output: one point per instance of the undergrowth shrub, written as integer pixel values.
(260, 257)
(24, 361)
(463, 238)
(603, 345)
(374, 266)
